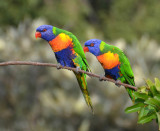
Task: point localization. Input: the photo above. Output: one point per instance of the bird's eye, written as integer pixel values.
(92, 44)
(44, 30)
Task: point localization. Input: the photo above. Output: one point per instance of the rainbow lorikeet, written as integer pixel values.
(68, 52)
(115, 63)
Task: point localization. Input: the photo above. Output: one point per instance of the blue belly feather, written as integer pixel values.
(65, 56)
(114, 72)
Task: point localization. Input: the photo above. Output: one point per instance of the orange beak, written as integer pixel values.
(38, 34)
(85, 49)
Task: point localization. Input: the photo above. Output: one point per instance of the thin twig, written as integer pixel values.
(69, 68)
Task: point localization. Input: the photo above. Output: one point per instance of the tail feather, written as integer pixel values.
(130, 92)
(81, 78)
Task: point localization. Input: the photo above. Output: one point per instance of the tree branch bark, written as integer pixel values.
(69, 68)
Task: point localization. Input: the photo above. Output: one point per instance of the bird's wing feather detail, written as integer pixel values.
(127, 72)
(79, 50)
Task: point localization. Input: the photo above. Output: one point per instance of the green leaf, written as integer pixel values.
(149, 83)
(147, 118)
(150, 107)
(141, 95)
(138, 100)
(134, 108)
(150, 93)
(154, 90)
(142, 89)
(158, 116)
(153, 102)
(143, 112)
(157, 97)
(157, 84)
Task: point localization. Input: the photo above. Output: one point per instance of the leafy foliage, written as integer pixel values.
(147, 102)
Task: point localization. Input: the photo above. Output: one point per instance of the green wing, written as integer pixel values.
(78, 49)
(126, 69)
(128, 76)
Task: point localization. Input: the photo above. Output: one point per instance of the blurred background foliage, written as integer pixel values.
(41, 98)
(128, 19)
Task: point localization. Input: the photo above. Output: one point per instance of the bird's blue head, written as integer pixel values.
(93, 46)
(45, 32)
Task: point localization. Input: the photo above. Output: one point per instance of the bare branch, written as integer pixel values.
(69, 68)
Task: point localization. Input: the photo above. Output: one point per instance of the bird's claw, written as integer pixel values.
(101, 78)
(78, 69)
(58, 66)
(90, 76)
(117, 83)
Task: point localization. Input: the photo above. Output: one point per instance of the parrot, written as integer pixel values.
(114, 62)
(68, 52)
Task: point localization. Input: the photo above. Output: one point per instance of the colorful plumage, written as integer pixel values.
(115, 63)
(68, 52)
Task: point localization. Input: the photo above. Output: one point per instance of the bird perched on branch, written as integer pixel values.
(68, 52)
(115, 63)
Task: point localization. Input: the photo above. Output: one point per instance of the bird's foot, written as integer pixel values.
(101, 78)
(58, 66)
(117, 83)
(78, 69)
(90, 76)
